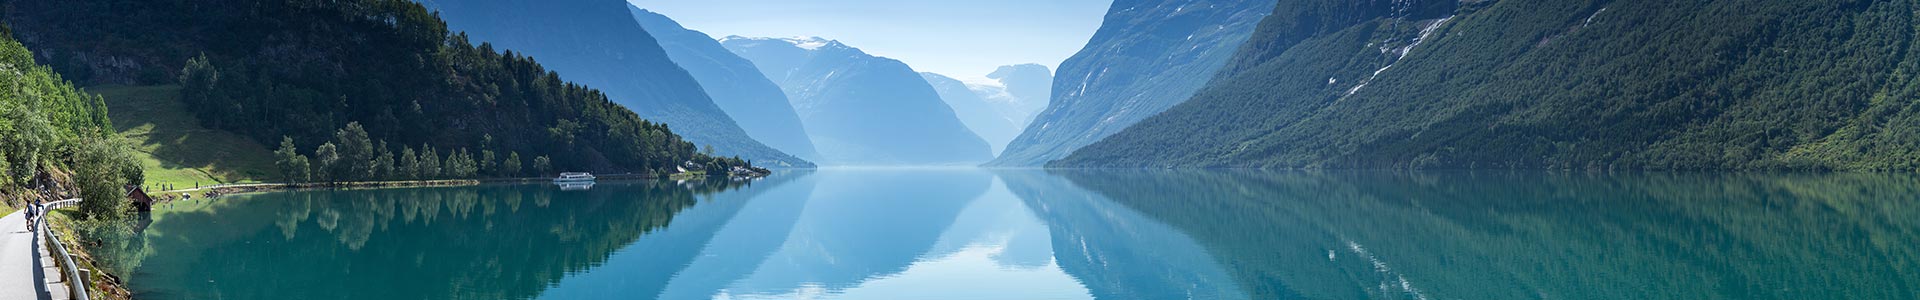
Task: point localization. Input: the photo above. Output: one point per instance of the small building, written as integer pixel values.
(139, 198)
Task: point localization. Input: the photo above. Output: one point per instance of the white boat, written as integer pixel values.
(574, 177)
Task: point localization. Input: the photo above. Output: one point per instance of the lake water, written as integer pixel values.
(979, 234)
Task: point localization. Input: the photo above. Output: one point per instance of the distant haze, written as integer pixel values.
(963, 39)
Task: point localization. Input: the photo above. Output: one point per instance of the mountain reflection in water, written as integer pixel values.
(1029, 234)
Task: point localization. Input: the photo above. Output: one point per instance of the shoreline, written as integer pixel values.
(252, 188)
(283, 187)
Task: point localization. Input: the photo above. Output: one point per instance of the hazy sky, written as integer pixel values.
(963, 39)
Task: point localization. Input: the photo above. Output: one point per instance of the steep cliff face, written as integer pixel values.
(1148, 55)
(1599, 84)
(754, 102)
(599, 44)
(861, 109)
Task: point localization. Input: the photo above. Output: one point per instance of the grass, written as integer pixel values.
(694, 175)
(173, 147)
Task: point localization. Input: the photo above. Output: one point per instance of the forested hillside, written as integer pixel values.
(599, 44)
(55, 140)
(304, 70)
(1593, 84)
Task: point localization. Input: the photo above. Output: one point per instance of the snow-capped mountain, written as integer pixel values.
(998, 107)
(1017, 92)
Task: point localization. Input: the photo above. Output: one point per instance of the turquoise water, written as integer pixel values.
(977, 234)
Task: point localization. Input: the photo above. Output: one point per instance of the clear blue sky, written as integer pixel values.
(964, 39)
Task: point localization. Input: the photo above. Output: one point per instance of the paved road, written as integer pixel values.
(19, 260)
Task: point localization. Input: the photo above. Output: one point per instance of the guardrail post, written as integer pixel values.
(75, 282)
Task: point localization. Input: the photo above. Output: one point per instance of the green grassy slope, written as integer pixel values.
(1553, 84)
(172, 145)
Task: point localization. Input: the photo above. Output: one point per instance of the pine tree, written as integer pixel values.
(460, 164)
(293, 166)
(429, 163)
(383, 162)
(409, 167)
(489, 163)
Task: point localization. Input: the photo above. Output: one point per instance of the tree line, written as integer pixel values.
(354, 156)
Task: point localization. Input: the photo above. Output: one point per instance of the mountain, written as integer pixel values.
(861, 109)
(302, 70)
(599, 44)
(1147, 56)
(753, 101)
(999, 108)
(981, 116)
(1524, 234)
(1624, 84)
(1118, 252)
(1018, 92)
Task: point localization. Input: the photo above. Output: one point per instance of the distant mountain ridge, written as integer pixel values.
(861, 109)
(1018, 91)
(997, 109)
(1548, 84)
(754, 102)
(599, 43)
(980, 116)
(1146, 57)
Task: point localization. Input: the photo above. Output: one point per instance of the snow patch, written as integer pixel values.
(809, 43)
(1401, 53)
(1590, 17)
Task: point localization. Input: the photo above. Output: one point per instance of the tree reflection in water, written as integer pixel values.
(478, 242)
(1118, 234)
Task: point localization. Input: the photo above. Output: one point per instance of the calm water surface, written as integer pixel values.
(975, 234)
